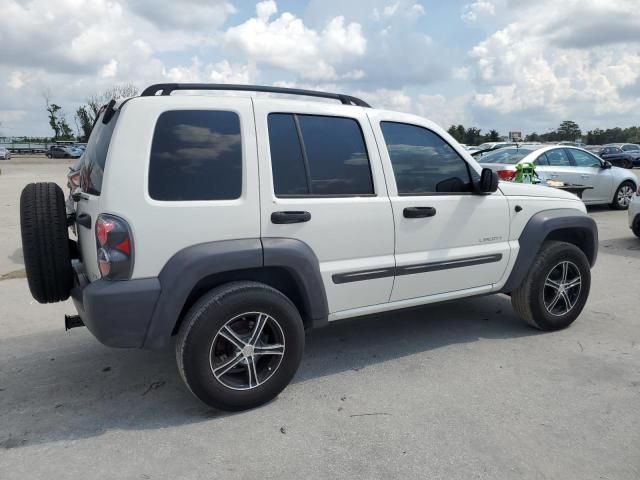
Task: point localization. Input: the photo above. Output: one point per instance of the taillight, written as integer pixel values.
(74, 179)
(115, 247)
(506, 175)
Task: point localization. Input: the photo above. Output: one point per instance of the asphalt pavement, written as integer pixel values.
(462, 390)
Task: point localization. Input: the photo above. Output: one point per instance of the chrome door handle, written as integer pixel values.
(585, 176)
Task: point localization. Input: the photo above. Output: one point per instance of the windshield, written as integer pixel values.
(508, 156)
(95, 155)
(484, 146)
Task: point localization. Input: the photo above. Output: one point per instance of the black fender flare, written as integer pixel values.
(538, 229)
(186, 268)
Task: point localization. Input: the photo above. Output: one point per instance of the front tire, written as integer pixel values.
(623, 196)
(556, 288)
(240, 345)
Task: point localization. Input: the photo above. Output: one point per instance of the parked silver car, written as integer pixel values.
(5, 154)
(571, 165)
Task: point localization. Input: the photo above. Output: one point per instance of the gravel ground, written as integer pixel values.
(461, 390)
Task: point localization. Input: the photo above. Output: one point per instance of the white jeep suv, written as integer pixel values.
(235, 223)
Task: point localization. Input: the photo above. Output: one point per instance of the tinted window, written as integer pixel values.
(558, 158)
(628, 148)
(95, 155)
(330, 160)
(508, 156)
(423, 162)
(287, 162)
(196, 155)
(542, 160)
(584, 159)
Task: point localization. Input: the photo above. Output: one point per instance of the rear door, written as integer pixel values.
(181, 171)
(558, 166)
(322, 160)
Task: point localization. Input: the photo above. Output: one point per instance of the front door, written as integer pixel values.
(589, 172)
(321, 171)
(447, 237)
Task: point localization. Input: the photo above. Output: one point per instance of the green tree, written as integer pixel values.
(569, 130)
(494, 136)
(57, 120)
(532, 137)
(473, 136)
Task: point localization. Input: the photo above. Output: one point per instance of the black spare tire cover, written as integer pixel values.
(45, 242)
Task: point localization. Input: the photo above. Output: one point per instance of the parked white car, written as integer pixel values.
(573, 166)
(634, 214)
(5, 154)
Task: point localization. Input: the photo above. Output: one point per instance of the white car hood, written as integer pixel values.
(512, 189)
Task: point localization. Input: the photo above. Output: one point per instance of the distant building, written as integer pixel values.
(515, 136)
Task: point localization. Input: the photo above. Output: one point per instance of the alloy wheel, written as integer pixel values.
(562, 288)
(625, 194)
(247, 351)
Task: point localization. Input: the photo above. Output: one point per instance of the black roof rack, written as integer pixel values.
(167, 88)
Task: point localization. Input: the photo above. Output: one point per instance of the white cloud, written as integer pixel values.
(405, 8)
(472, 11)
(386, 99)
(110, 69)
(287, 43)
(442, 110)
(16, 80)
(264, 10)
(220, 72)
(524, 68)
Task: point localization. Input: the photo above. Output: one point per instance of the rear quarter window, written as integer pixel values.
(94, 158)
(196, 155)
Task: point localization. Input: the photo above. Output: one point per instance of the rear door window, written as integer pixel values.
(196, 155)
(316, 155)
(542, 160)
(94, 158)
(558, 158)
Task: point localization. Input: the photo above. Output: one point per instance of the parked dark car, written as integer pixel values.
(632, 149)
(613, 154)
(57, 151)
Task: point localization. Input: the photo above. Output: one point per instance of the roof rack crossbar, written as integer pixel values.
(168, 88)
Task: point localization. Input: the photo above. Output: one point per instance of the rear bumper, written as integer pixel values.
(117, 313)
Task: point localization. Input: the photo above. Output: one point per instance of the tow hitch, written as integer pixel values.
(72, 321)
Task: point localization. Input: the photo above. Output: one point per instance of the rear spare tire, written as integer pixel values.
(45, 242)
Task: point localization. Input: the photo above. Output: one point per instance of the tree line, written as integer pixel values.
(85, 115)
(568, 130)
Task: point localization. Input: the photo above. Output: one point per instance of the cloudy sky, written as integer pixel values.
(505, 64)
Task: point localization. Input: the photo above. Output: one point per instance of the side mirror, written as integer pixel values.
(607, 164)
(488, 181)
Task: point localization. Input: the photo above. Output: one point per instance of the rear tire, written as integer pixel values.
(623, 196)
(545, 306)
(45, 242)
(222, 358)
